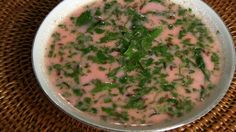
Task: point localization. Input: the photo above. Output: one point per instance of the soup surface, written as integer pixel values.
(133, 62)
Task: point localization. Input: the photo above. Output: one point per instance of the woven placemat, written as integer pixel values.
(24, 106)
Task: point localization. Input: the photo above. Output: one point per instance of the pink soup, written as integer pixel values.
(133, 62)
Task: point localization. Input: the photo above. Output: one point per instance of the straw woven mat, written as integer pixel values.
(23, 105)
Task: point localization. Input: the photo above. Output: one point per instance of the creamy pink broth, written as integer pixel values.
(136, 116)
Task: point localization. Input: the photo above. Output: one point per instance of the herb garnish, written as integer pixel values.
(99, 86)
(85, 18)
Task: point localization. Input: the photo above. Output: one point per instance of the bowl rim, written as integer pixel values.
(61, 106)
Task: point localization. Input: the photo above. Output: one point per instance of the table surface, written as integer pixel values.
(24, 106)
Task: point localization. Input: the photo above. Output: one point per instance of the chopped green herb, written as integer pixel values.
(136, 100)
(211, 86)
(200, 62)
(56, 37)
(136, 18)
(187, 42)
(158, 1)
(109, 5)
(82, 39)
(85, 18)
(148, 62)
(96, 24)
(124, 116)
(72, 70)
(107, 100)
(93, 110)
(87, 100)
(123, 79)
(66, 94)
(128, 0)
(187, 81)
(101, 68)
(215, 59)
(170, 26)
(64, 85)
(182, 33)
(99, 31)
(77, 92)
(162, 50)
(63, 26)
(98, 12)
(135, 50)
(175, 107)
(167, 87)
(113, 72)
(102, 58)
(179, 22)
(57, 67)
(99, 86)
(85, 105)
(203, 93)
(182, 12)
(111, 111)
(109, 36)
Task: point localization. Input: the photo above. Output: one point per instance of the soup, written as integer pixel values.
(133, 62)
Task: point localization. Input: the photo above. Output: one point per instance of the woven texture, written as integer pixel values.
(24, 106)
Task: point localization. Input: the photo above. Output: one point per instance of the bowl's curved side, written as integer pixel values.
(68, 6)
(61, 11)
